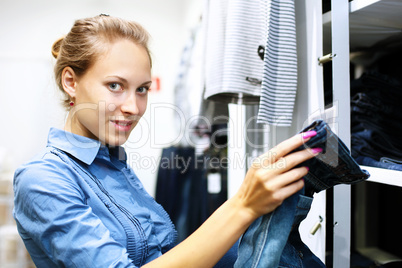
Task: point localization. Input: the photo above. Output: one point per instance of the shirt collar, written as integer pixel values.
(82, 148)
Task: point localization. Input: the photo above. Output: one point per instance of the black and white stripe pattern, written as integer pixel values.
(278, 91)
(215, 16)
(233, 65)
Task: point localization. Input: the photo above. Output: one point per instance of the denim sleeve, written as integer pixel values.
(58, 228)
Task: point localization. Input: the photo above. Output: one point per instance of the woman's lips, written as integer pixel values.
(122, 125)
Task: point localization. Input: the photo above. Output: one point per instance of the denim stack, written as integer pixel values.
(376, 120)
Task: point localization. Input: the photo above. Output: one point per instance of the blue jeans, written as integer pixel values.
(372, 113)
(296, 253)
(383, 163)
(273, 240)
(379, 86)
(334, 165)
(374, 144)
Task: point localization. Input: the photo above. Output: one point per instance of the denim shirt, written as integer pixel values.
(78, 204)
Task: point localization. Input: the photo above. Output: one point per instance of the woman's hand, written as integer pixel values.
(273, 177)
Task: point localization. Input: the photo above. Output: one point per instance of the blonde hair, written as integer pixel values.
(85, 42)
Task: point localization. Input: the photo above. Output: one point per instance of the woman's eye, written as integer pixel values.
(115, 86)
(142, 89)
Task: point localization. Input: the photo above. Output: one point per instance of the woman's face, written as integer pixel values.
(112, 95)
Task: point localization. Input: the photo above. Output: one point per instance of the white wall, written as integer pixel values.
(29, 99)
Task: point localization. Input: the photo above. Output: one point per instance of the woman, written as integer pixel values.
(78, 203)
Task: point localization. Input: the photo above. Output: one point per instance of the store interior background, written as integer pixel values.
(30, 100)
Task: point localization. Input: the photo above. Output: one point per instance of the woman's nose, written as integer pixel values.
(130, 105)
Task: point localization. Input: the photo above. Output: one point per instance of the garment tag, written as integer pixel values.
(214, 183)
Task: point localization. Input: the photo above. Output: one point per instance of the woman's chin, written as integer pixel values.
(116, 140)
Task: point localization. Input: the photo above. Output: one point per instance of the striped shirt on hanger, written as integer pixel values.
(278, 91)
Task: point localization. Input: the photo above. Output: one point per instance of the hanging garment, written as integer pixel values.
(279, 84)
(192, 110)
(189, 87)
(235, 41)
(181, 189)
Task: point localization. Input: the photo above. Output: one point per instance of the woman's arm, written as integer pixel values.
(270, 180)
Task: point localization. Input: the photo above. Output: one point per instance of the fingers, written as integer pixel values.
(286, 163)
(283, 148)
(288, 190)
(296, 158)
(279, 176)
(287, 178)
(286, 184)
(274, 176)
(291, 144)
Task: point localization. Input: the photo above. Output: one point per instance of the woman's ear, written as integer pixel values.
(68, 81)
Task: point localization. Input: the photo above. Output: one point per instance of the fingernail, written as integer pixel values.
(308, 169)
(309, 134)
(316, 150)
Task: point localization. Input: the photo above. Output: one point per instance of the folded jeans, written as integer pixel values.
(334, 165)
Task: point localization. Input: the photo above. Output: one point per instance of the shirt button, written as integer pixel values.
(301, 254)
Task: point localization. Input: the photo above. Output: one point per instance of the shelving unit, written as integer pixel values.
(349, 27)
(369, 23)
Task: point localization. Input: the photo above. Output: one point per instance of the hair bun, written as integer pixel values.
(56, 47)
